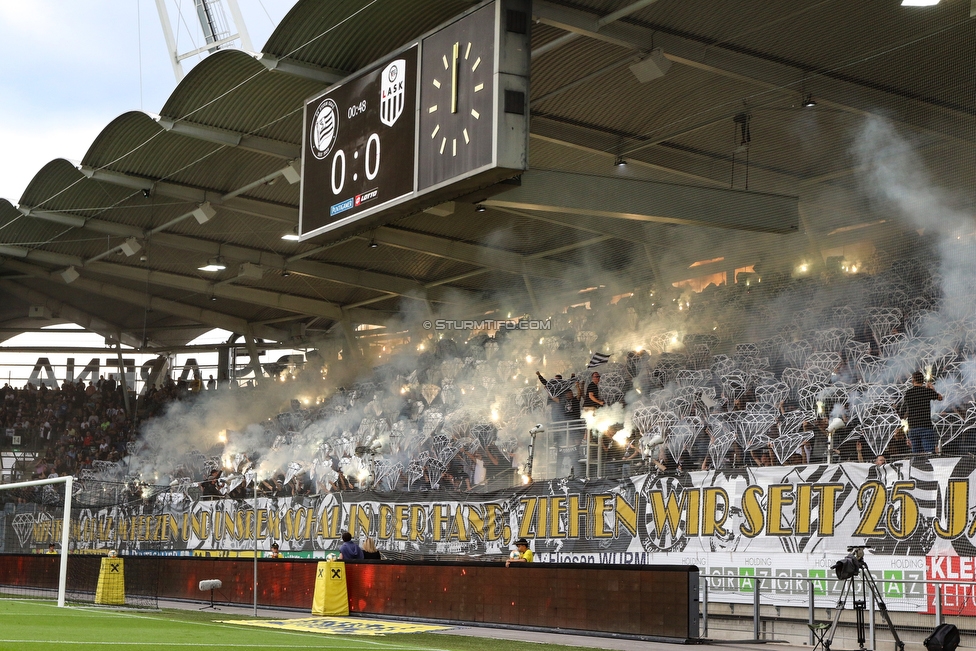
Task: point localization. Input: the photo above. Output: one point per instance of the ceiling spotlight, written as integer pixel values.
(214, 264)
(919, 3)
(146, 192)
(373, 244)
(808, 102)
(213, 298)
(285, 273)
(619, 162)
(480, 208)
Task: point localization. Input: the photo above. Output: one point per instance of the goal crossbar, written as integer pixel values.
(65, 527)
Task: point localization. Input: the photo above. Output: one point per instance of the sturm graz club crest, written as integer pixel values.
(392, 93)
(325, 127)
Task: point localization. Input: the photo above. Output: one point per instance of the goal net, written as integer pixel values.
(59, 540)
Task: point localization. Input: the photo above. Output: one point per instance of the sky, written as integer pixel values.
(74, 66)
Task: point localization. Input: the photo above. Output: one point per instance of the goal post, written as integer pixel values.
(65, 525)
(110, 541)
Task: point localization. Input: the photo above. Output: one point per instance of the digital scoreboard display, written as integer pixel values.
(442, 118)
(358, 154)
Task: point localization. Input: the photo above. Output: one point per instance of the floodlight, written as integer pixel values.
(250, 270)
(70, 275)
(651, 67)
(292, 173)
(204, 212)
(131, 246)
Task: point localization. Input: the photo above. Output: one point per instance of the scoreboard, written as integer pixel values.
(442, 117)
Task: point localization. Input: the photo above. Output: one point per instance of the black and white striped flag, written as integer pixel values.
(597, 360)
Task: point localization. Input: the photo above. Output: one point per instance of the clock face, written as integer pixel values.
(457, 99)
(359, 144)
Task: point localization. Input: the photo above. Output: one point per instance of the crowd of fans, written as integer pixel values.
(787, 371)
(76, 426)
(784, 371)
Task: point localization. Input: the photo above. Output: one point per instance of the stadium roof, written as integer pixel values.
(729, 114)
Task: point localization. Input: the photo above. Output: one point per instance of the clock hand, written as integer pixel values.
(454, 79)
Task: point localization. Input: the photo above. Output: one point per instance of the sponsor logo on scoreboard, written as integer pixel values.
(341, 207)
(354, 202)
(392, 93)
(369, 195)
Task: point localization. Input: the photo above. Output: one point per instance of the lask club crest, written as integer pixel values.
(392, 93)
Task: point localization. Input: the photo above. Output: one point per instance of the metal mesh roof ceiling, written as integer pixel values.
(234, 123)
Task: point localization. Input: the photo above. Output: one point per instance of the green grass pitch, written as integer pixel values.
(37, 625)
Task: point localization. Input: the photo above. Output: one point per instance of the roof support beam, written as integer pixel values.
(437, 246)
(765, 73)
(581, 194)
(475, 308)
(360, 278)
(61, 310)
(265, 209)
(639, 233)
(247, 142)
(694, 166)
(482, 256)
(142, 299)
(598, 143)
(264, 298)
(327, 76)
(429, 244)
(253, 296)
(598, 24)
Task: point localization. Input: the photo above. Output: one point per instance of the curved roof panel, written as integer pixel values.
(350, 35)
(231, 90)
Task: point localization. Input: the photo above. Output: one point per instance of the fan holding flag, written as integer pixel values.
(556, 388)
(591, 397)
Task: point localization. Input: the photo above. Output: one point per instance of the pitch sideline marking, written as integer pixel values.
(217, 624)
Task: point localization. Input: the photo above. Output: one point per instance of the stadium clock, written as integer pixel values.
(457, 99)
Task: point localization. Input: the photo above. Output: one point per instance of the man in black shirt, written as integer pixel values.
(916, 410)
(592, 399)
(570, 405)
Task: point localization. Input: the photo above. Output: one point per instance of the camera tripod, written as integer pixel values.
(847, 571)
